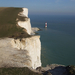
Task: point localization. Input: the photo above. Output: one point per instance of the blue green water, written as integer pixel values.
(58, 40)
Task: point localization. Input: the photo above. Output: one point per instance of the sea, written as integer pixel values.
(57, 40)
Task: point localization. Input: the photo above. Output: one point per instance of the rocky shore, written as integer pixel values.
(55, 69)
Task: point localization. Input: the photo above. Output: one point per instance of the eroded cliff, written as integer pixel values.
(33, 46)
(25, 24)
(21, 52)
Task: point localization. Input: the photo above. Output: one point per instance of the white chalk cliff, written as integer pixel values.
(25, 24)
(33, 46)
(24, 12)
(24, 52)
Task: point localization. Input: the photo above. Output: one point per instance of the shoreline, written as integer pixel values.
(26, 52)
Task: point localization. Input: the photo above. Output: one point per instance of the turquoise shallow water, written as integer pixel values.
(58, 40)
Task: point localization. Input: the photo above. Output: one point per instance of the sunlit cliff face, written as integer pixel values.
(21, 52)
(33, 46)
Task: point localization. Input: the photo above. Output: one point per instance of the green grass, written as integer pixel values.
(8, 27)
(17, 71)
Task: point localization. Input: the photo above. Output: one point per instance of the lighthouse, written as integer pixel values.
(45, 24)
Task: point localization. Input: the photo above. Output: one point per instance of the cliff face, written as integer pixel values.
(24, 12)
(12, 57)
(31, 44)
(24, 52)
(25, 24)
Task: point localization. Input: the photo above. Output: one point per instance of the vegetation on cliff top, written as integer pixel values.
(17, 71)
(8, 23)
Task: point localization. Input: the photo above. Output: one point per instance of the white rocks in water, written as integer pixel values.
(33, 46)
(33, 30)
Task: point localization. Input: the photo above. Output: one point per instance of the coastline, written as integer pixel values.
(26, 52)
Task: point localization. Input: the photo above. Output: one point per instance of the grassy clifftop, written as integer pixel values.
(8, 27)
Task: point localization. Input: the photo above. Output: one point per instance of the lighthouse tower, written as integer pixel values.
(45, 24)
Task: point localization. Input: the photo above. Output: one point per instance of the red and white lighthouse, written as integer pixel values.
(45, 24)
